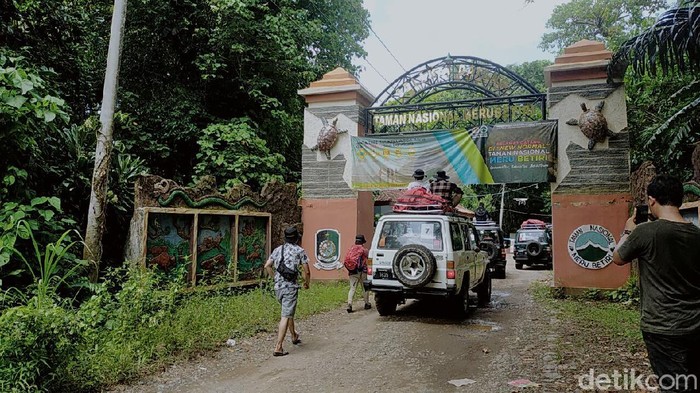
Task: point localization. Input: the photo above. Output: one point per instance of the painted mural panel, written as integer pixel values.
(252, 239)
(213, 248)
(168, 245)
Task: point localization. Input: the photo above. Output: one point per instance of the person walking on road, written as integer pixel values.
(669, 282)
(285, 260)
(356, 263)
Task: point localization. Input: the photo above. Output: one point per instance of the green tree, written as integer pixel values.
(234, 154)
(532, 72)
(609, 21)
(664, 88)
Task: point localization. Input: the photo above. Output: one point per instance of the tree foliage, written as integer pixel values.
(234, 154)
(664, 89)
(608, 21)
(532, 72)
(186, 65)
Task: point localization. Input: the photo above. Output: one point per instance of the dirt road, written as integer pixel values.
(419, 349)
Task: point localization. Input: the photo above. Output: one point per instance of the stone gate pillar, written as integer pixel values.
(333, 213)
(591, 197)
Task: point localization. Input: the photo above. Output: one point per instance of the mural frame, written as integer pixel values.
(195, 213)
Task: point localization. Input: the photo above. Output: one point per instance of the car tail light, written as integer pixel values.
(369, 270)
(369, 262)
(503, 252)
(450, 265)
(450, 274)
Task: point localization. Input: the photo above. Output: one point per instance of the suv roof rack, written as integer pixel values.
(489, 223)
(418, 209)
(533, 226)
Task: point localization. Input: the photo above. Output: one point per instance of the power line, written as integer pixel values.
(499, 193)
(384, 45)
(377, 71)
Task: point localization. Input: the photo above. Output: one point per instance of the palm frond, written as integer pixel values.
(672, 44)
(676, 123)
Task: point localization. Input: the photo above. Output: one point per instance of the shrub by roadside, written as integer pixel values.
(133, 326)
(595, 334)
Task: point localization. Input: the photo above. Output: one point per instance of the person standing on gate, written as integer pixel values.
(418, 181)
(285, 260)
(356, 263)
(669, 284)
(446, 189)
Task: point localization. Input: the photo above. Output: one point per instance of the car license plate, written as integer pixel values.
(383, 274)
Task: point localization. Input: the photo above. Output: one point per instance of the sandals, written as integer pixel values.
(283, 353)
(297, 341)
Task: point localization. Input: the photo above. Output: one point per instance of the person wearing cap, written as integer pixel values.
(418, 182)
(286, 291)
(357, 254)
(446, 189)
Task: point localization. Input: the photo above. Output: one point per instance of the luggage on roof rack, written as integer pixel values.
(420, 201)
(533, 224)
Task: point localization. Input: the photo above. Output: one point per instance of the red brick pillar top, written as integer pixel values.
(337, 85)
(583, 61)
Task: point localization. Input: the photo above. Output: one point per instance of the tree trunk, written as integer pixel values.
(103, 151)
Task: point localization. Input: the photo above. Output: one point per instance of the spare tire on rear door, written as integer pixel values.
(414, 265)
(534, 249)
(491, 249)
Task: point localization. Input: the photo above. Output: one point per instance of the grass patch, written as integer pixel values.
(617, 320)
(136, 328)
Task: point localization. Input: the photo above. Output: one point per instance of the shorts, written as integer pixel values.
(288, 299)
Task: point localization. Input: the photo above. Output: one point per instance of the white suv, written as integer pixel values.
(415, 256)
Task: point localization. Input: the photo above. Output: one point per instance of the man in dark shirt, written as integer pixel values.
(446, 189)
(668, 251)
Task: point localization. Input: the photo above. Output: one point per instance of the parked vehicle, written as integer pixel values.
(494, 242)
(533, 244)
(430, 253)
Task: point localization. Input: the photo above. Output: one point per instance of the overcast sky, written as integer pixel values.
(415, 31)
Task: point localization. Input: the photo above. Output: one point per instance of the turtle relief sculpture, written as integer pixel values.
(327, 137)
(592, 124)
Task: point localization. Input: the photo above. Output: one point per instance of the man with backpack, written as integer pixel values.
(356, 263)
(285, 260)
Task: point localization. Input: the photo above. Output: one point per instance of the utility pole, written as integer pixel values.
(103, 150)
(503, 193)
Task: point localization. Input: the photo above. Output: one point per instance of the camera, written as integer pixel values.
(642, 214)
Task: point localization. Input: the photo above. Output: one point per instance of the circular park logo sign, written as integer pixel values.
(591, 246)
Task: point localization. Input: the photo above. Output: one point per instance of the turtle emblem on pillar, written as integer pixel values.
(327, 137)
(592, 124)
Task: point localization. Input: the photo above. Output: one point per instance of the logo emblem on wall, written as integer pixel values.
(591, 246)
(327, 249)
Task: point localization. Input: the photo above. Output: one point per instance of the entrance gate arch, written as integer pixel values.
(590, 188)
(457, 82)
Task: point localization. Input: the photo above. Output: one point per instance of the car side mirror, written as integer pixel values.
(506, 243)
(484, 246)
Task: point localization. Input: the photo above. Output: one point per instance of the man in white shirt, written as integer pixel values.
(418, 176)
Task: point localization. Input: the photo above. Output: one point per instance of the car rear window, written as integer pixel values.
(488, 235)
(531, 236)
(395, 234)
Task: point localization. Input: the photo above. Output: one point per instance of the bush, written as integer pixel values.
(36, 342)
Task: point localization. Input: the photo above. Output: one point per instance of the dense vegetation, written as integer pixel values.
(201, 81)
(205, 87)
(209, 87)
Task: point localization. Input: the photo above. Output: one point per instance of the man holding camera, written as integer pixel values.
(286, 260)
(668, 251)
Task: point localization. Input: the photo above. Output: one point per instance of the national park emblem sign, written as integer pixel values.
(591, 246)
(327, 249)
